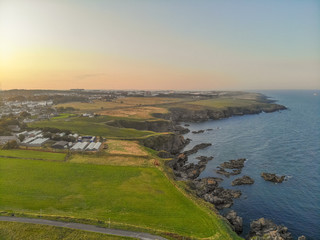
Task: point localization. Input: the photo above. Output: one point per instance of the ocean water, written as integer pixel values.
(285, 143)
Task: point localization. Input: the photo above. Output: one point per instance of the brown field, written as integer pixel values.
(113, 160)
(148, 100)
(134, 112)
(120, 103)
(122, 147)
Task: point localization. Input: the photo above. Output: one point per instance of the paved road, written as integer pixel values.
(85, 227)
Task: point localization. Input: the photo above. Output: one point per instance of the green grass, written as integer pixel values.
(18, 153)
(28, 231)
(92, 126)
(64, 115)
(134, 196)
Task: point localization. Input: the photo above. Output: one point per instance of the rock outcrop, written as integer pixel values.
(197, 132)
(235, 165)
(172, 143)
(209, 190)
(196, 148)
(188, 115)
(222, 171)
(235, 221)
(271, 177)
(242, 181)
(262, 229)
(221, 197)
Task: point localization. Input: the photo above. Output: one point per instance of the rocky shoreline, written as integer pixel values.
(208, 188)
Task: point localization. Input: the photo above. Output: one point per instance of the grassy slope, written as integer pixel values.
(33, 154)
(27, 231)
(143, 197)
(92, 126)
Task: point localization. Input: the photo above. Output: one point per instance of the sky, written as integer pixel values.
(160, 44)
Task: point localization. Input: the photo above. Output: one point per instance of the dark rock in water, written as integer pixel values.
(191, 170)
(272, 177)
(302, 238)
(204, 158)
(196, 132)
(187, 125)
(266, 229)
(196, 148)
(222, 171)
(234, 164)
(209, 129)
(242, 181)
(235, 221)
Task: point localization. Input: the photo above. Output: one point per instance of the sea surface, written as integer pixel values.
(286, 143)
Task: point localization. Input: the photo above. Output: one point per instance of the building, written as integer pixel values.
(38, 142)
(60, 145)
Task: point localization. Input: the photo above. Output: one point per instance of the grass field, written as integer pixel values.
(113, 160)
(64, 115)
(26, 231)
(17, 153)
(92, 126)
(141, 197)
(120, 103)
(225, 102)
(134, 112)
(119, 153)
(122, 147)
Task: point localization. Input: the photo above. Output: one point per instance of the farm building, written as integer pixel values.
(60, 145)
(37, 142)
(79, 146)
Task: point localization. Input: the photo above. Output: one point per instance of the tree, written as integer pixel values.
(21, 137)
(11, 145)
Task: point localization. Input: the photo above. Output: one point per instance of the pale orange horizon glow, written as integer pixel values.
(64, 44)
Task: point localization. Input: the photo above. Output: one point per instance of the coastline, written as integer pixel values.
(199, 187)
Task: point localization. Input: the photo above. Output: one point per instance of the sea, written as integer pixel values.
(286, 143)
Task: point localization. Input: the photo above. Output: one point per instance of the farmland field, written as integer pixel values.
(224, 102)
(17, 153)
(132, 197)
(27, 231)
(134, 112)
(125, 148)
(91, 126)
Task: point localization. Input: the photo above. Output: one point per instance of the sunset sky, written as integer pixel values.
(160, 44)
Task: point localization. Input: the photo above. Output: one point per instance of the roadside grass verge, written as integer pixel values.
(30, 154)
(28, 231)
(132, 197)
